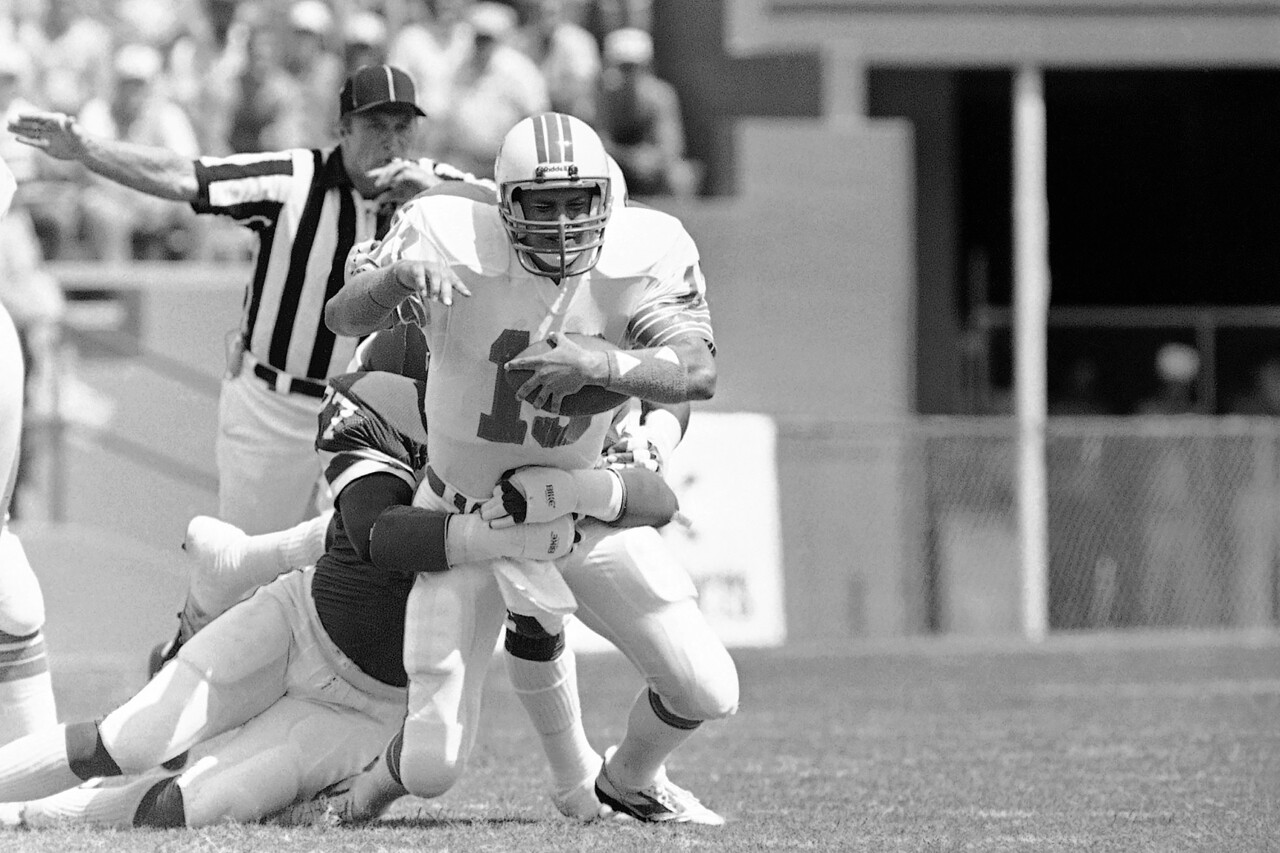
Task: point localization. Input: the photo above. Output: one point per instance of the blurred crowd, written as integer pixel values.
(220, 77)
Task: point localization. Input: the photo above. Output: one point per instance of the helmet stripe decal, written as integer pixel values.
(566, 138)
(540, 137)
(553, 138)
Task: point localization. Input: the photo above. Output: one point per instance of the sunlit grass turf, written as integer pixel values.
(1105, 743)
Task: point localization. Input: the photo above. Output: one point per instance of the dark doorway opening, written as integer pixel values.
(1164, 190)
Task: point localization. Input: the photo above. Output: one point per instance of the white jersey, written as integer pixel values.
(646, 289)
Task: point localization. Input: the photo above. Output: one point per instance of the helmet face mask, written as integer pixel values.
(544, 165)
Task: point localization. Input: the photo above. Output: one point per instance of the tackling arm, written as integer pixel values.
(145, 168)
(622, 497)
(387, 532)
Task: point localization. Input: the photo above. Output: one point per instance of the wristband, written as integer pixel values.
(601, 493)
(650, 374)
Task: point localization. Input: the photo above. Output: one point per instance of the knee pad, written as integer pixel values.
(21, 602)
(705, 686)
(528, 640)
(713, 700)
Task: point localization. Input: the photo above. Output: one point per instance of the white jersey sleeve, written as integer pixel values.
(655, 247)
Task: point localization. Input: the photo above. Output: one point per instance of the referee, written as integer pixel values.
(307, 207)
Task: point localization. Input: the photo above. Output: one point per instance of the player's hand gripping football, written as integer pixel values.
(560, 371)
(56, 134)
(529, 495)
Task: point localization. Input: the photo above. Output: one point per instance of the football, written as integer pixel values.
(592, 399)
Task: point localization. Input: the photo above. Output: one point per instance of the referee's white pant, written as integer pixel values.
(269, 474)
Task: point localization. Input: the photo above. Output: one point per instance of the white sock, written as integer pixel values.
(26, 690)
(113, 806)
(36, 766)
(600, 493)
(268, 555)
(242, 563)
(647, 744)
(303, 544)
(549, 692)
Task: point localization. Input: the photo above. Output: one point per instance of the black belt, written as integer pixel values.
(283, 383)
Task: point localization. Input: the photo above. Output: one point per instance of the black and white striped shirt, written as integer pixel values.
(307, 215)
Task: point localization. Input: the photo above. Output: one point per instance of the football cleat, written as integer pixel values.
(661, 801)
(581, 803)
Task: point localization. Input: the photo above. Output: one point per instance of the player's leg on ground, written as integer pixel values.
(286, 755)
(227, 674)
(26, 690)
(114, 806)
(631, 591)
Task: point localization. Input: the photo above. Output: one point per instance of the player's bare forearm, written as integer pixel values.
(677, 372)
(149, 169)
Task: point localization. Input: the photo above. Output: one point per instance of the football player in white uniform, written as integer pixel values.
(26, 690)
(493, 280)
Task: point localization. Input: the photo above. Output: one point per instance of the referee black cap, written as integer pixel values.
(378, 87)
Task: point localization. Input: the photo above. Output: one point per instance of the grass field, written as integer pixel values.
(1148, 742)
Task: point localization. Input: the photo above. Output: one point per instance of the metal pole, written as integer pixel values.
(1031, 317)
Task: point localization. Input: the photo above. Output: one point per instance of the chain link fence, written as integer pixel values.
(1153, 522)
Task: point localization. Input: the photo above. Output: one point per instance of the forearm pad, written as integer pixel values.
(408, 539)
(650, 374)
(366, 303)
(648, 501)
(385, 290)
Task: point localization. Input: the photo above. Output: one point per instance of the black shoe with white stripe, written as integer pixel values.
(660, 802)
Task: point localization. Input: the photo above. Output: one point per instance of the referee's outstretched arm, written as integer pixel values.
(149, 169)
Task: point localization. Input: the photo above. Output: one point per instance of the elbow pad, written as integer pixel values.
(407, 540)
(648, 500)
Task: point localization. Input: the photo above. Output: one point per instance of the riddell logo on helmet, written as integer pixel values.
(556, 170)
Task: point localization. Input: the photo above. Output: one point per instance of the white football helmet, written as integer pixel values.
(553, 151)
